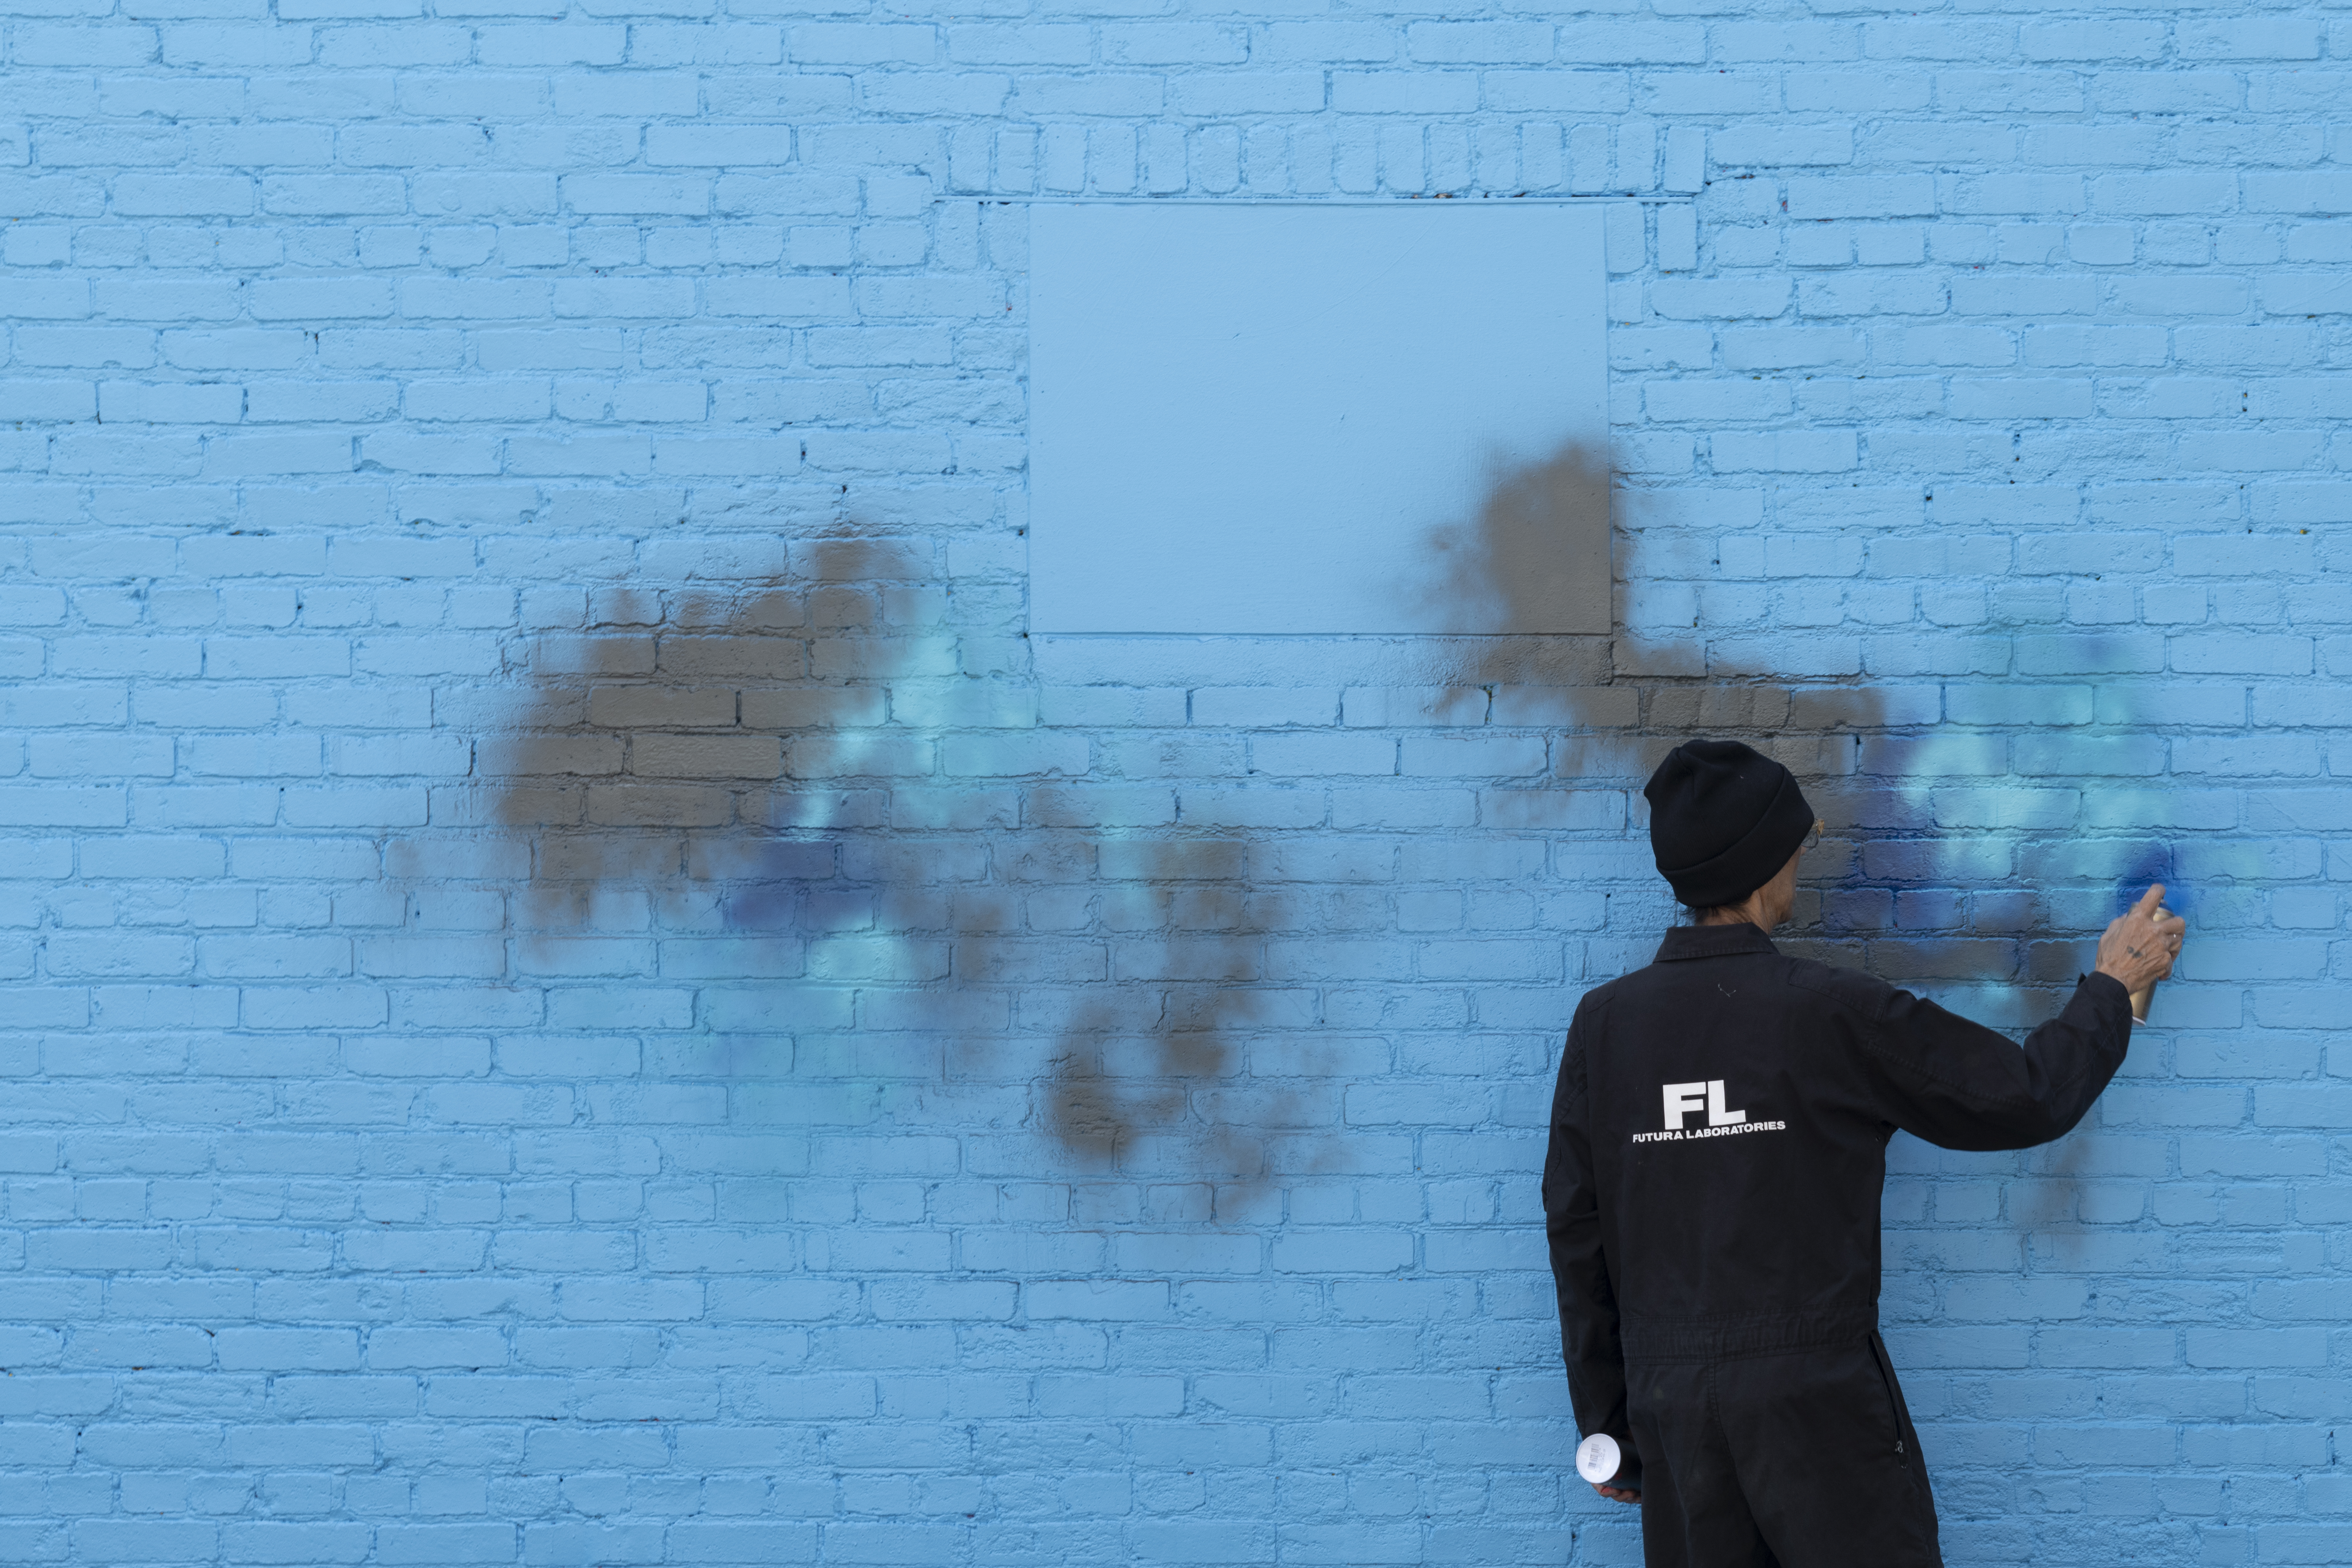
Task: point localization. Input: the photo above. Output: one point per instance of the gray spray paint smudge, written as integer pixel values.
(689, 785)
(1616, 703)
(733, 786)
(1153, 1071)
(727, 771)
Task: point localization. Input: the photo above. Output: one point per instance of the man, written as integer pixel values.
(1719, 1144)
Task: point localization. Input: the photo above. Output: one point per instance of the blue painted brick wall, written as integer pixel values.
(572, 988)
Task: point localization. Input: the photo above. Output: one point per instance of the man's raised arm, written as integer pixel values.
(1962, 1086)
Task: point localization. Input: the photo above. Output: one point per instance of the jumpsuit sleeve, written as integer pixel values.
(1959, 1085)
(1588, 1302)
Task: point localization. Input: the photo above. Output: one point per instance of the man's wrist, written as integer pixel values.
(2122, 990)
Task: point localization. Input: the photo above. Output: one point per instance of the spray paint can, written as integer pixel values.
(2146, 994)
(1597, 1459)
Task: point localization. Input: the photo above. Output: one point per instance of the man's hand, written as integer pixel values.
(1616, 1494)
(2140, 947)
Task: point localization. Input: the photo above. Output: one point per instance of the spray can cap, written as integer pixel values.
(1597, 1459)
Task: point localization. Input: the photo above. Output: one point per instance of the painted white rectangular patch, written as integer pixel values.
(1268, 418)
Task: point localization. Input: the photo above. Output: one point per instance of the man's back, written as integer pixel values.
(1736, 1159)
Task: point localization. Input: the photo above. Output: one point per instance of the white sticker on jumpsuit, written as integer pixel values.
(1681, 1100)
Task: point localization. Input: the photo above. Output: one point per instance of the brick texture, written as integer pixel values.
(575, 988)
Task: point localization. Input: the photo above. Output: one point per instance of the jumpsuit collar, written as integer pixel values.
(1713, 941)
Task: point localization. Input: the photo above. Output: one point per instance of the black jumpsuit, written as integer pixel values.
(1718, 1146)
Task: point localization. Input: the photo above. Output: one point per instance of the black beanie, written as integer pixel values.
(1723, 819)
